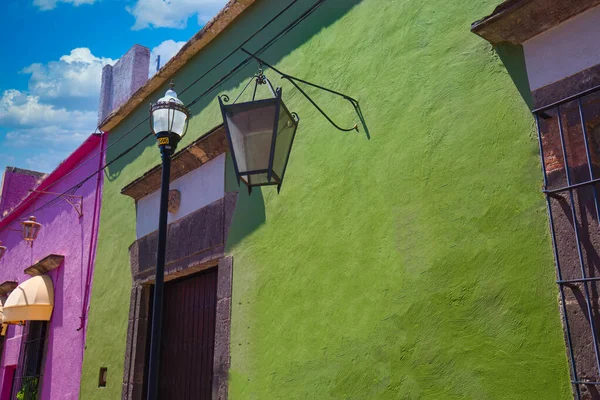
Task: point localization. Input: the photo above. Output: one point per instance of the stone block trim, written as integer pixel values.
(194, 240)
(516, 21)
(7, 286)
(191, 157)
(222, 357)
(572, 85)
(45, 265)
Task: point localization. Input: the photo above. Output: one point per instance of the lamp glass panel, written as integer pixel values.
(169, 120)
(286, 129)
(179, 119)
(251, 127)
(160, 120)
(35, 231)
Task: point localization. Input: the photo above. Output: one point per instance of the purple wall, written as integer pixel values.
(15, 187)
(65, 233)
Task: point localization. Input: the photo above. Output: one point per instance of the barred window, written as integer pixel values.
(27, 378)
(569, 137)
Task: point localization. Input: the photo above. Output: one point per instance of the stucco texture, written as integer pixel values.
(63, 233)
(413, 265)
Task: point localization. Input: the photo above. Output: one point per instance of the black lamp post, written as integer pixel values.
(168, 121)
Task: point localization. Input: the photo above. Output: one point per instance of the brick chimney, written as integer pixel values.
(123, 79)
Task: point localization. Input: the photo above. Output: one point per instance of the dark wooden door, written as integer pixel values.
(187, 344)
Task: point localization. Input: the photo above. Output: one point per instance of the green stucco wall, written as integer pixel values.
(414, 265)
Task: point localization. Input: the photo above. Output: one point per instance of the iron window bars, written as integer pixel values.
(27, 378)
(570, 158)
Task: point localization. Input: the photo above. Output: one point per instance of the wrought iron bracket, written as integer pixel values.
(75, 201)
(294, 81)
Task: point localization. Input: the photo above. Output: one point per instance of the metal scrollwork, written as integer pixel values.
(261, 79)
(296, 81)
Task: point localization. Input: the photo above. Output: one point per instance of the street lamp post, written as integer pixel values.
(168, 121)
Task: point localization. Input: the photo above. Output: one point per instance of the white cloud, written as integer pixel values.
(49, 133)
(166, 50)
(76, 75)
(173, 13)
(45, 5)
(42, 125)
(18, 109)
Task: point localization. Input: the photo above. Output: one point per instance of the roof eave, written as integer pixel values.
(61, 170)
(516, 21)
(232, 10)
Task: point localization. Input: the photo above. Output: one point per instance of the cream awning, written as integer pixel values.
(32, 300)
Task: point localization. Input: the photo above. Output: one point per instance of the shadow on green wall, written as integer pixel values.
(249, 211)
(513, 58)
(250, 208)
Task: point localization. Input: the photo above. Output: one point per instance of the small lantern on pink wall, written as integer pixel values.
(2, 250)
(31, 229)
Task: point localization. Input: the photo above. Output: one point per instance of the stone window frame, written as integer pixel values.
(582, 86)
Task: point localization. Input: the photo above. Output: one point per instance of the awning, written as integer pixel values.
(1, 310)
(32, 300)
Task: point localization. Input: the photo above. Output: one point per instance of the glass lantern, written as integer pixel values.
(260, 135)
(169, 120)
(31, 229)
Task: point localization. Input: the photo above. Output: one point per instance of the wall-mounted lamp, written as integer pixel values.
(2, 250)
(261, 132)
(260, 135)
(31, 229)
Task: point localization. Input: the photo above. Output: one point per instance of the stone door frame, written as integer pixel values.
(208, 227)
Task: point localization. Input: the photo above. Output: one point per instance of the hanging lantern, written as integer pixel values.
(31, 229)
(2, 250)
(260, 135)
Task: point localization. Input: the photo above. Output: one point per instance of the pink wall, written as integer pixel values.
(63, 233)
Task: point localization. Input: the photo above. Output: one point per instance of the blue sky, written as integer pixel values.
(53, 54)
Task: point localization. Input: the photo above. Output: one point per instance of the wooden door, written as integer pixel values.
(188, 336)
